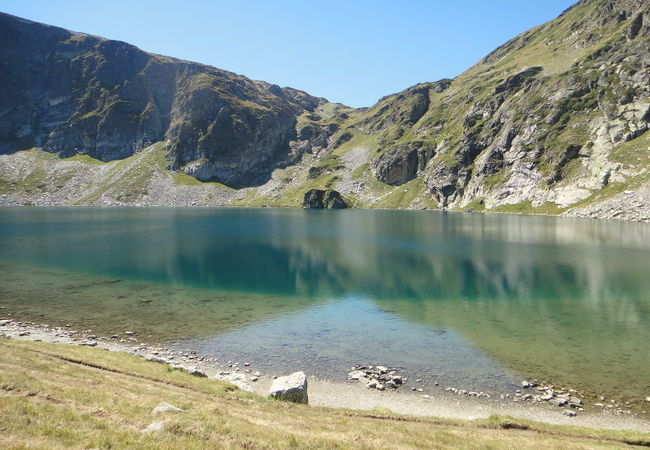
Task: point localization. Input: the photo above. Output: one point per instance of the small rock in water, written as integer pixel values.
(569, 412)
(525, 384)
(647, 399)
(129, 333)
(426, 396)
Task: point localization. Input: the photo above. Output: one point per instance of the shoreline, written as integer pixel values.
(436, 402)
(7, 202)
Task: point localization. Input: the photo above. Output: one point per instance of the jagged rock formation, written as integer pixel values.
(71, 93)
(554, 121)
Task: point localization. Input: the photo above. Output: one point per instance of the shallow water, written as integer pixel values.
(470, 300)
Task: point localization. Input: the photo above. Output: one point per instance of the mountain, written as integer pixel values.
(554, 122)
(552, 119)
(70, 93)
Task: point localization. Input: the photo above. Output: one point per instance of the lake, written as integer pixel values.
(475, 301)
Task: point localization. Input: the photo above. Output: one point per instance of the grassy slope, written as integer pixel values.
(56, 396)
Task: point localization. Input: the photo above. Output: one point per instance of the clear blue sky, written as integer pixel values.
(353, 51)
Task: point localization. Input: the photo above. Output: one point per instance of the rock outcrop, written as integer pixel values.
(402, 163)
(323, 199)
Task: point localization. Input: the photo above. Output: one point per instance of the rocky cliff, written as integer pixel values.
(71, 93)
(554, 121)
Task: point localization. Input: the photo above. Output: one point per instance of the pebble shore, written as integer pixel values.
(367, 386)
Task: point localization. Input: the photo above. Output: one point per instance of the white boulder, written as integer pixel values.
(292, 388)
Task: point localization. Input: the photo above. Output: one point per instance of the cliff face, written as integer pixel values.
(72, 93)
(554, 121)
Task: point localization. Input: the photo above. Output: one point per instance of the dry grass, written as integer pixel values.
(56, 396)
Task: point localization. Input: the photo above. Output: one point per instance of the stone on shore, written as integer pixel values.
(569, 412)
(239, 380)
(558, 401)
(156, 426)
(291, 388)
(196, 372)
(165, 407)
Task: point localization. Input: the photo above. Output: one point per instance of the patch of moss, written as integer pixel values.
(526, 207)
(496, 179)
(85, 159)
(401, 196)
(478, 204)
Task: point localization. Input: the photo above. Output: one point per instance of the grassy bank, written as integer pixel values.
(58, 396)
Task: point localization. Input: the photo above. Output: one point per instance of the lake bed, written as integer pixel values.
(474, 301)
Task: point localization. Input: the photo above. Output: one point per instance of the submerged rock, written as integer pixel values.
(291, 388)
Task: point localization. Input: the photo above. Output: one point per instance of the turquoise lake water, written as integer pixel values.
(474, 301)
